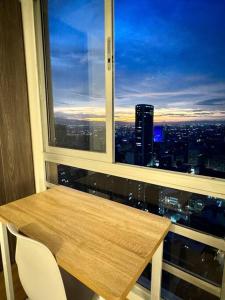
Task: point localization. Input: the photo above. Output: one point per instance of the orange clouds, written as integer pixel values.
(127, 114)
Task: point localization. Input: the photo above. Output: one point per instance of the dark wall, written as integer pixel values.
(16, 164)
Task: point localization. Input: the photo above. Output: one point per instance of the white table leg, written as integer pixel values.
(6, 262)
(156, 273)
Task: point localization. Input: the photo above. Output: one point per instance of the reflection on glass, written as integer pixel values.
(170, 85)
(174, 288)
(74, 47)
(192, 210)
(194, 257)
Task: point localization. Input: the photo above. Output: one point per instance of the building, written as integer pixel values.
(144, 115)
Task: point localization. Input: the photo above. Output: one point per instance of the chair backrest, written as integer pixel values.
(38, 271)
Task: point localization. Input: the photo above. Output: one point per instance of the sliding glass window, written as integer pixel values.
(74, 42)
(170, 85)
(169, 81)
(160, 105)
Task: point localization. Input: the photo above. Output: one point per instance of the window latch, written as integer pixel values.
(109, 54)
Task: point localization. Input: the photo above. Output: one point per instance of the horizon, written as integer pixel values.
(208, 122)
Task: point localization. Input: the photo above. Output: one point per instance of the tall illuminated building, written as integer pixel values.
(144, 115)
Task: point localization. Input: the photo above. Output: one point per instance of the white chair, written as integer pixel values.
(40, 275)
(38, 271)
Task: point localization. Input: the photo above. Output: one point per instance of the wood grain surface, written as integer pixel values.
(104, 244)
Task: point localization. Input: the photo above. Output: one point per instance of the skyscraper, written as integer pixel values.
(144, 115)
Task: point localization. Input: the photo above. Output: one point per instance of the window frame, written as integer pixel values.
(214, 187)
(105, 162)
(108, 155)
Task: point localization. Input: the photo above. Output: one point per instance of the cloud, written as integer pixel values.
(172, 59)
(86, 113)
(212, 102)
(164, 92)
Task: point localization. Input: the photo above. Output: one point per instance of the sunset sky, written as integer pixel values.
(169, 54)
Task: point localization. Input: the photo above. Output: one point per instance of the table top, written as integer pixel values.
(104, 244)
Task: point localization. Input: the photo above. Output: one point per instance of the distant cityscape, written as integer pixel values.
(194, 147)
(197, 148)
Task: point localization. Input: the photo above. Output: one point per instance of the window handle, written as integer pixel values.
(109, 54)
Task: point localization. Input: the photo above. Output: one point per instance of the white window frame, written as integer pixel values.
(108, 155)
(98, 162)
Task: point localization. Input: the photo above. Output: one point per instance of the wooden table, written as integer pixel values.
(104, 244)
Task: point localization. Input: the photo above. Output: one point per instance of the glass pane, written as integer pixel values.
(75, 68)
(195, 258)
(170, 85)
(199, 259)
(174, 288)
(192, 210)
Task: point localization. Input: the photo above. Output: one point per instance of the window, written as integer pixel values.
(169, 81)
(75, 65)
(162, 70)
(170, 85)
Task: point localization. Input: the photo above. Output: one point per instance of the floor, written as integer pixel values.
(68, 281)
(19, 292)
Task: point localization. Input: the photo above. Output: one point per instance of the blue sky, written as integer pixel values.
(169, 53)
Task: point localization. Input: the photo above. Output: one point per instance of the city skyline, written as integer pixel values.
(174, 60)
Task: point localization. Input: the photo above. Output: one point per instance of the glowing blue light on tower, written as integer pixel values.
(158, 134)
